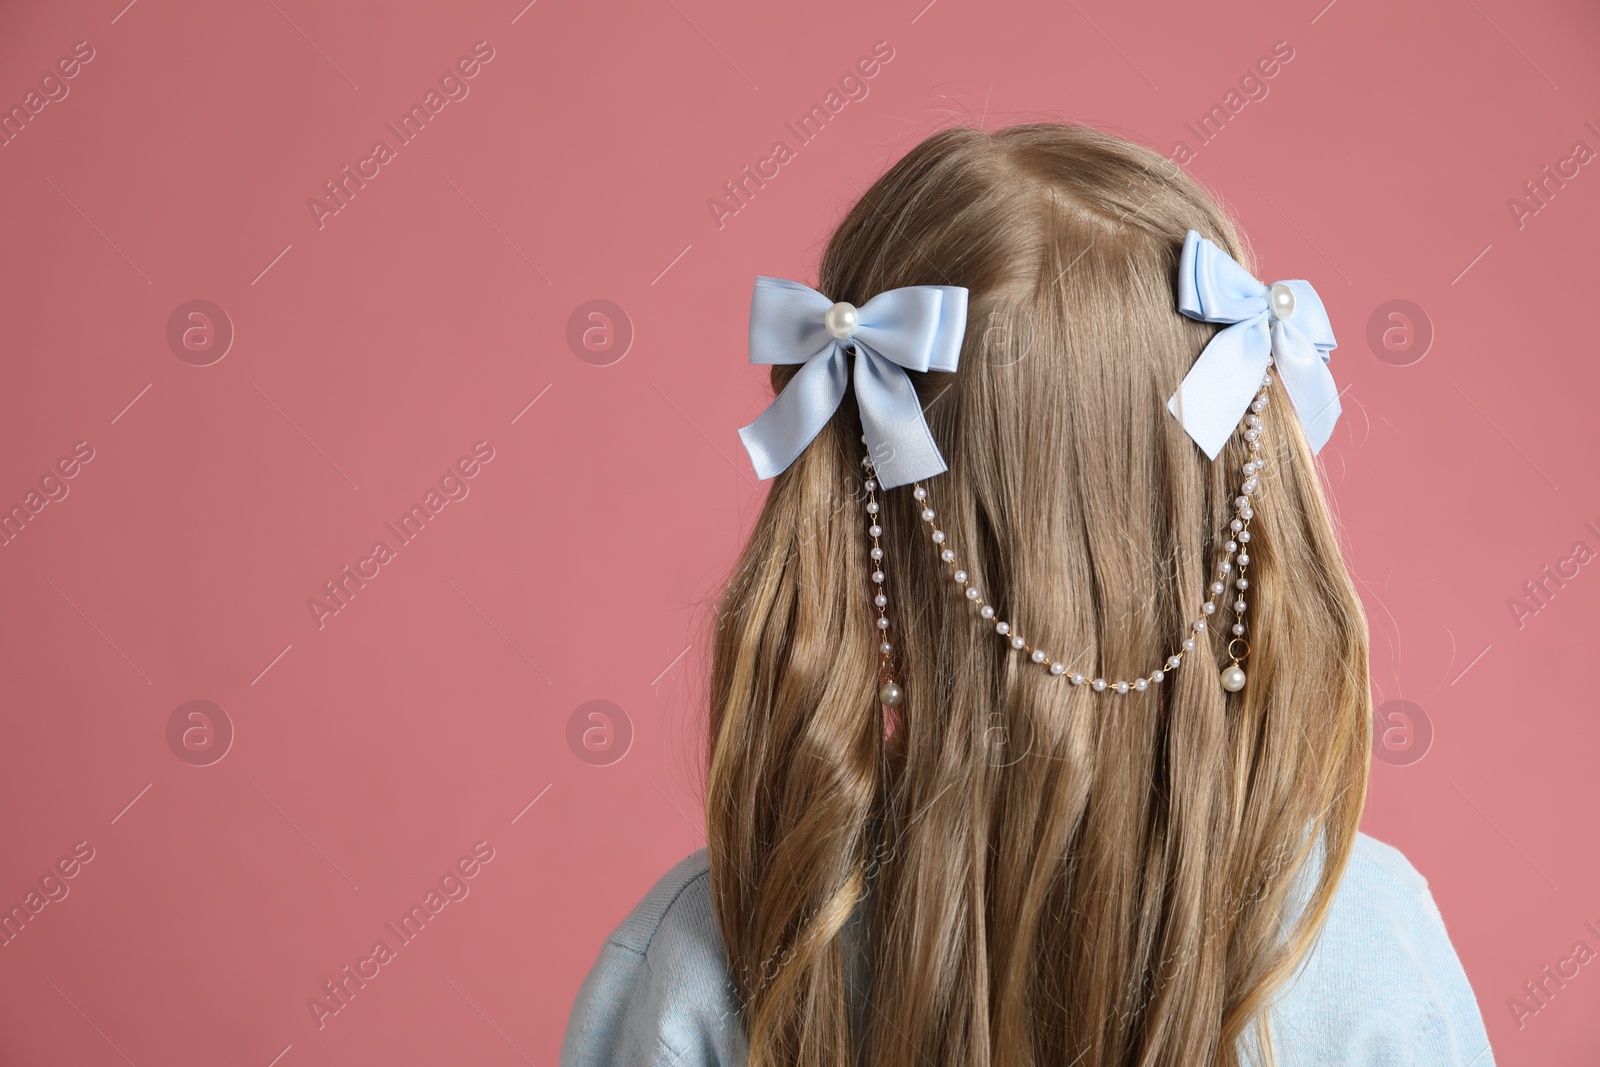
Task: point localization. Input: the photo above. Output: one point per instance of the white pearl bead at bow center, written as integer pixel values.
(842, 320)
(1280, 298)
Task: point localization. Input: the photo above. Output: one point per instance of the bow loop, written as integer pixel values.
(1284, 324)
(918, 327)
(1212, 287)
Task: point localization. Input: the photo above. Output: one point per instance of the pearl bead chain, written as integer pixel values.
(889, 692)
(1232, 677)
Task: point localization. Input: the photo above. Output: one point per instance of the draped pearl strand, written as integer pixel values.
(1230, 570)
(889, 691)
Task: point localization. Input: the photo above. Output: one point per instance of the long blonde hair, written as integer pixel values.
(1043, 874)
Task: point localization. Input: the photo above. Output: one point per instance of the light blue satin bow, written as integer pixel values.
(919, 328)
(1284, 324)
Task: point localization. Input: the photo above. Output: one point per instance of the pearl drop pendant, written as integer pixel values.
(1233, 678)
(891, 694)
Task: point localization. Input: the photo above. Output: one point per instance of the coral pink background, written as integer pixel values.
(371, 753)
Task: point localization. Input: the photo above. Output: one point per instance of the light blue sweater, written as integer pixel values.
(1382, 987)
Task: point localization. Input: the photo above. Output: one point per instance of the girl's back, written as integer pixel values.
(1039, 716)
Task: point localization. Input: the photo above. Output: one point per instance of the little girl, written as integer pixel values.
(1039, 715)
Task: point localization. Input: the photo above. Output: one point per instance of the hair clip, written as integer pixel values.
(919, 327)
(1283, 324)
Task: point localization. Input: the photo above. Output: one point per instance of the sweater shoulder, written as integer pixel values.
(676, 908)
(1382, 983)
(1375, 864)
(660, 990)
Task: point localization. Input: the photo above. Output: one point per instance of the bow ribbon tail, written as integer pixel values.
(1213, 396)
(898, 439)
(1303, 369)
(797, 415)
